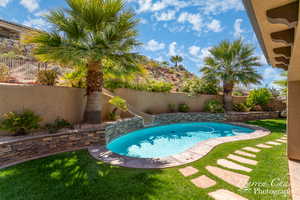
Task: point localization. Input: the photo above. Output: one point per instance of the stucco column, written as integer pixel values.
(294, 120)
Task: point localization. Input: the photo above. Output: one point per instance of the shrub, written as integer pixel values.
(199, 86)
(119, 103)
(4, 72)
(183, 108)
(172, 108)
(47, 77)
(57, 125)
(259, 97)
(150, 86)
(76, 78)
(20, 123)
(213, 106)
(241, 107)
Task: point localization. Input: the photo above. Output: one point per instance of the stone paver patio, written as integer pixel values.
(203, 182)
(188, 171)
(242, 159)
(233, 178)
(225, 195)
(231, 165)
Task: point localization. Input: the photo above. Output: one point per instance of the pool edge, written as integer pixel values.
(192, 154)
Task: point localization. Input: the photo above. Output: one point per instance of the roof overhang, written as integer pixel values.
(16, 27)
(276, 25)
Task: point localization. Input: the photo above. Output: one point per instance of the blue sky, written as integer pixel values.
(168, 27)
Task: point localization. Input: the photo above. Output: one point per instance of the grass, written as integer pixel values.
(75, 175)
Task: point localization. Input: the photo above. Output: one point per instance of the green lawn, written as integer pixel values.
(75, 175)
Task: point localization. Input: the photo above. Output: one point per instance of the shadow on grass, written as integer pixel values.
(274, 125)
(72, 176)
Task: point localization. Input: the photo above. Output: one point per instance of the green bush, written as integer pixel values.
(150, 86)
(76, 78)
(259, 97)
(4, 72)
(199, 86)
(241, 107)
(20, 123)
(213, 106)
(183, 108)
(57, 125)
(118, 103)
(47, 77)
(172, 108)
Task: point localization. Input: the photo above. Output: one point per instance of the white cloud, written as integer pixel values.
(153, 45)
(4, 3)
(263, 60)
(271, 74)
(38, 23)
(150, 6)
(172, 49)
(41, 13)
(198, 55)
(194, 19)
(165, 16)
(237, 28)
(143, 21)
(31, 5)
(219, 6)
(194, 50)
(215, 26)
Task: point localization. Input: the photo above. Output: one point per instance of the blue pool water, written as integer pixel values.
(163, 141)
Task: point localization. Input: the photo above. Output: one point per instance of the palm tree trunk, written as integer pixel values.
(94, 91)
(227, 96)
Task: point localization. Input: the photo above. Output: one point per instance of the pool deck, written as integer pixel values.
(195, 153)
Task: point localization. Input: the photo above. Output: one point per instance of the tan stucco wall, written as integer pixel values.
(49, 102)
(158, 102)
(69, 103)
(293, 120)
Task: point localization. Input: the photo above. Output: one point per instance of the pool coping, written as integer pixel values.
(192, 154)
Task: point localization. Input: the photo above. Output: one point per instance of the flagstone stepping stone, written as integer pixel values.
(233, 178)
(280, 140)
(225, 195)
(273, 143)
(252, 149)
(264, 146)
(231, 165)
(203, 182)
(243, 153)
(188, 171)
(242, 159)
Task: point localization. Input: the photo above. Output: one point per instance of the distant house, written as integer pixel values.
(13, 31)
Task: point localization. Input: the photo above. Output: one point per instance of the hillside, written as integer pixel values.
(169, 74)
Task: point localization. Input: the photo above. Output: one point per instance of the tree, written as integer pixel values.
(90, 33)
(283, 83)
(233, 63)
(176, 60)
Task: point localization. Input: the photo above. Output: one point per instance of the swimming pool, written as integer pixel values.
(168, 140)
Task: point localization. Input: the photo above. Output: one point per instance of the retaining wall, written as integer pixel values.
(32, 147)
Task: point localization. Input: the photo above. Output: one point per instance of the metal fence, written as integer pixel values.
(22, 70)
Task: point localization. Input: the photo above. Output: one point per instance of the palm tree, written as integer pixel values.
(176, 60)
(90, 33)
(232, 63)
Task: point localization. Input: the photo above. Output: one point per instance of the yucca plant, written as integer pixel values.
(233, 63)
(90, 33)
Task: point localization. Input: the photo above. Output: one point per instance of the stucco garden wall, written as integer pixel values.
(48, 102)
(156, 102)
